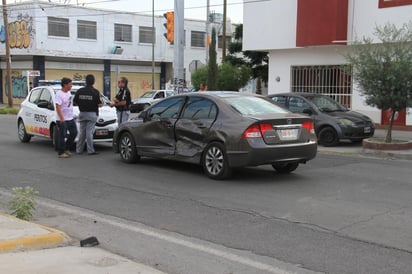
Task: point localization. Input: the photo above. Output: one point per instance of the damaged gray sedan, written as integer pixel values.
(220, 131)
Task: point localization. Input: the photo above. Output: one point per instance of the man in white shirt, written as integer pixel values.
(66, 126)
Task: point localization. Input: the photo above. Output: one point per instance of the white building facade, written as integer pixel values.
(73, 41)
(306, 40)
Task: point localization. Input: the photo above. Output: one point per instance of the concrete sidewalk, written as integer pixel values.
(26, 247)
(349, 148)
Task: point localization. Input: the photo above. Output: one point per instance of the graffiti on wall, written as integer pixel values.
(78, 77)
(18, 85)
(145, 85)
(21, 32)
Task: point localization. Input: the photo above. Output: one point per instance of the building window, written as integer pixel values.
(198, 39)
(147, 35)
(334, 81)
(122, 33)
(86, 29)
(220, 41)
(393, 3)
(58, 26)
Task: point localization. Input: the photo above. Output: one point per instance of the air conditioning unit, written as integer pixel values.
(117, 50)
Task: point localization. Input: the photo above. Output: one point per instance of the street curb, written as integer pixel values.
(369, 153)
(388, 154)
(55, 238)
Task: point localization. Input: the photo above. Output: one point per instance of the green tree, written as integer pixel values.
(200, 76)
(212, 78)
(256, 60)
(382, 67)
(232, 77)
(229, 77)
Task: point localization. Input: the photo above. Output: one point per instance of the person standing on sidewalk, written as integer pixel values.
(88, 100)
(122, 101)
(66, 127)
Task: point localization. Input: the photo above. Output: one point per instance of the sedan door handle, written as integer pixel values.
(167, 124)
(200, 125)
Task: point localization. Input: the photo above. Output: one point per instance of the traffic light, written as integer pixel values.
(170, 26)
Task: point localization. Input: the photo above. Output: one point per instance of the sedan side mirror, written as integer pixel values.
(143, 115)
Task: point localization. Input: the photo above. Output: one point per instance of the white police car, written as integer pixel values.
(37, 115)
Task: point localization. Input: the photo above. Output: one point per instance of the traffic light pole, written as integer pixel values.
(179, 39)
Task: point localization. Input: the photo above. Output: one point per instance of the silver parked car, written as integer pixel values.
(220, 131)
(149, 98)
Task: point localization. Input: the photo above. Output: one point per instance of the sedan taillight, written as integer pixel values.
(309, 127)
(257, 131)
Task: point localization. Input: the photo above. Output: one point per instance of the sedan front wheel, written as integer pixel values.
(127, 148)
(215, 163)
(328, 137)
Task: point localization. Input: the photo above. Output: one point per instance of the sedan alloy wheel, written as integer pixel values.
(215, 163)
(127, 148)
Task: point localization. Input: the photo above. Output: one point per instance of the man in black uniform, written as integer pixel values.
(88, 100)
(122, 101)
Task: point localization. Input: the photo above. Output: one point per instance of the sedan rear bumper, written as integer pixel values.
(268, 155)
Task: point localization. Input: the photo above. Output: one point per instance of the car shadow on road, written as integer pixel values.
(247, 175)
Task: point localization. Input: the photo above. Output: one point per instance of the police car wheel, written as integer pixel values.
(23, 136)
(127, 148)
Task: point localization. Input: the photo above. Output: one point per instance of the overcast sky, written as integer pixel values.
(194, 9)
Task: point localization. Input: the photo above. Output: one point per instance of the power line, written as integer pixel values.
(51, 5)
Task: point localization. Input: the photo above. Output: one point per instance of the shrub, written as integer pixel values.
(22, 204)
(8, 110)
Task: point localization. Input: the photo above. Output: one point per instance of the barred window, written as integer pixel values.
(58, 26)
(147, 34)
(334, 81)
(122, 33)
(86, 29)
(198, 39)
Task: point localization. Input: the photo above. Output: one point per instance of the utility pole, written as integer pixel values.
(8, 56)
(153, 46)
(179, 32)
(207, 30)
(224, 31)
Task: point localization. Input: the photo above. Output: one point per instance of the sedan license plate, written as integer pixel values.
(367, 130)
(102, 132)
(288, 134)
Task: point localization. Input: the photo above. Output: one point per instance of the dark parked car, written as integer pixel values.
(220, 131)
(333, 122)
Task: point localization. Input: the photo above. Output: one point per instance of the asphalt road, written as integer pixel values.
(337, 214)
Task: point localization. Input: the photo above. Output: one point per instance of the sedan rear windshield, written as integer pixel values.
(249, 105)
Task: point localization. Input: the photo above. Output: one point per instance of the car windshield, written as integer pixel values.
(148, 94)
(250, 105)
(326, 104)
